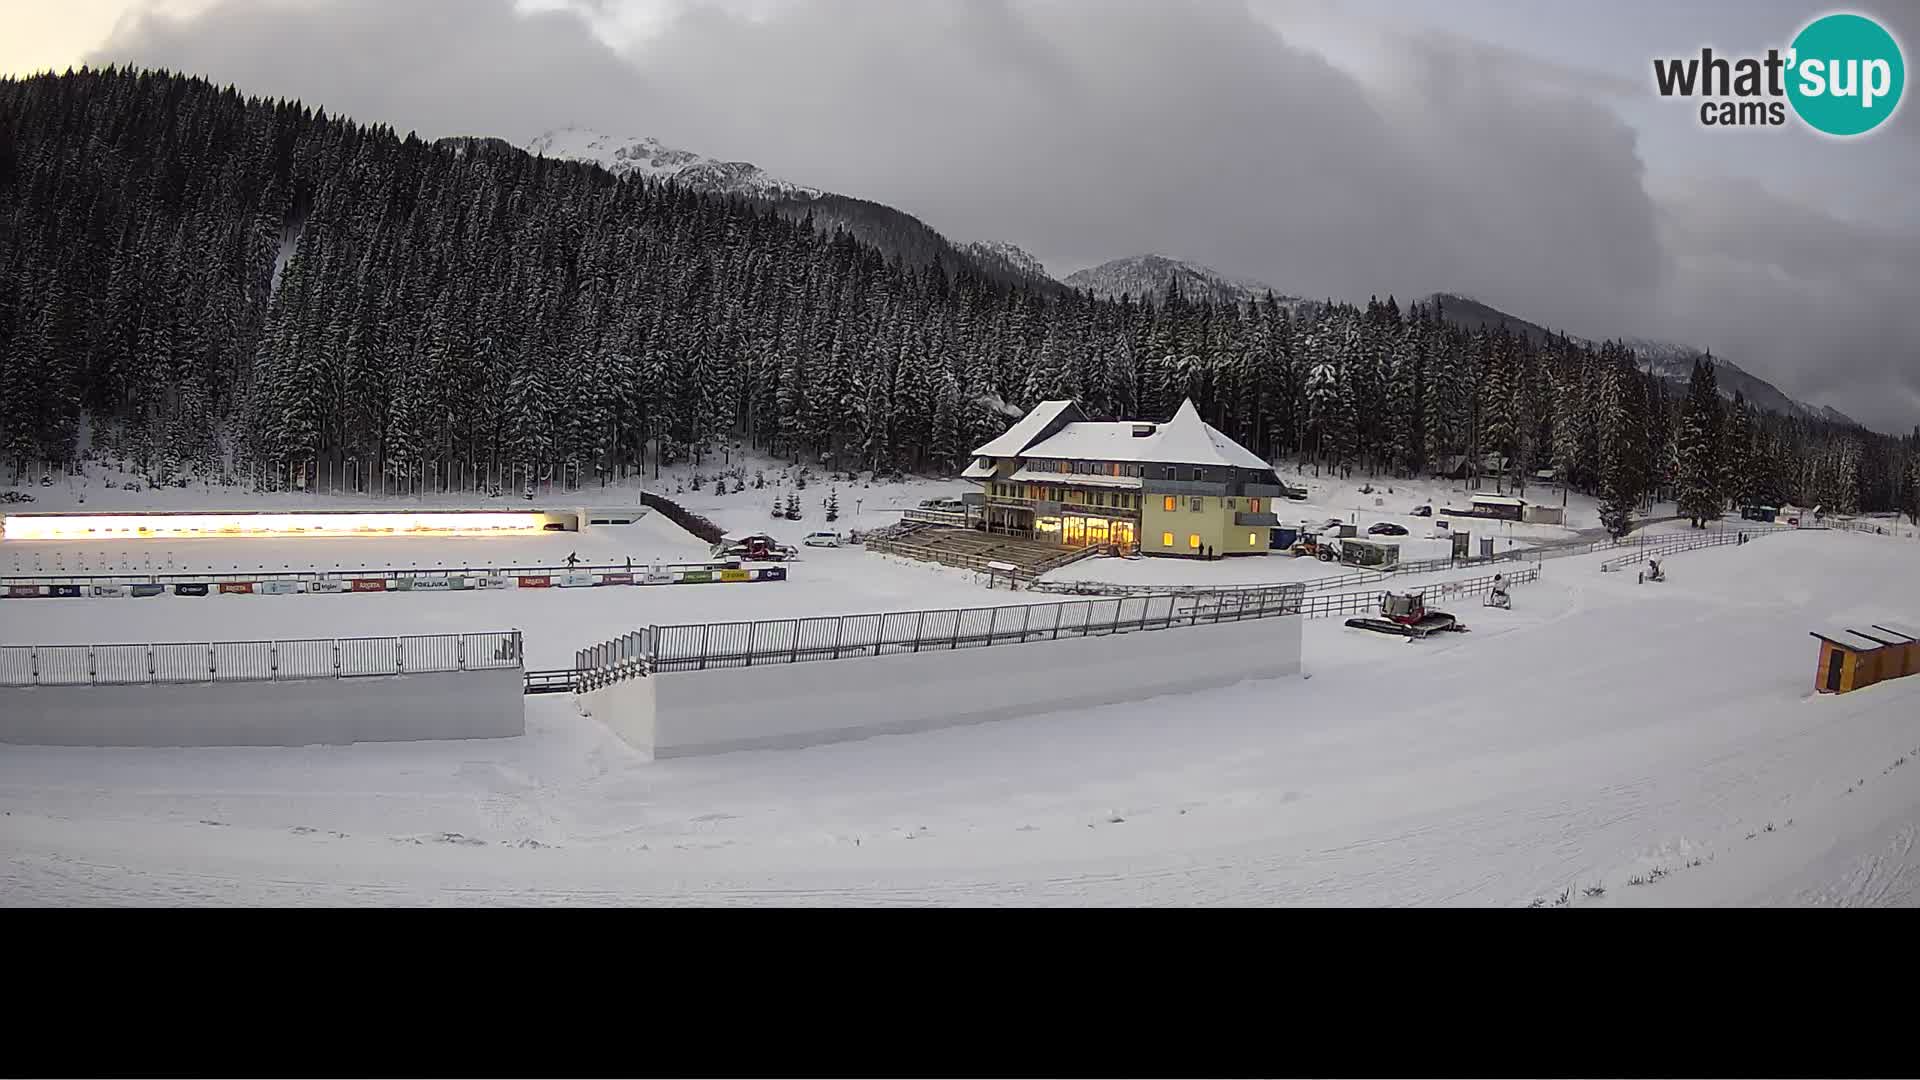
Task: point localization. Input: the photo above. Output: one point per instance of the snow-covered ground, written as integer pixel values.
(1596, 733)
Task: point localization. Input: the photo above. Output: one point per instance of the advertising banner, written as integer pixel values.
(492, 583)
(109, 590)
(535, 582)
(430, 584)
(659, 577)
(23, 590)
(236, 587)
(146, 590)
(694, 577)
(616, 579)
(190, 588)
(733, 575)
(279, 588)
(64, 590)
(574, 581)
(369, 584)
(327, 585)
(773, 573)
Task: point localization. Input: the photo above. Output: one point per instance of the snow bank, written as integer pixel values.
(303, 712)
(678, 714)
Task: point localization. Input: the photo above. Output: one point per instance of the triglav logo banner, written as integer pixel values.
(1842, 74)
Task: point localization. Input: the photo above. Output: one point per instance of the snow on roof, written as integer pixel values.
(1845, 635)
(1013, 441)
(1184, 440)
(1076, 479)
(976, 471)
(1906, 630)
(1499, 500)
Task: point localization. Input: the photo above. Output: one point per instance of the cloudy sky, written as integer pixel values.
(1512, 150)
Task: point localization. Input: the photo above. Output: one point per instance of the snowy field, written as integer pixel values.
(1599, 733)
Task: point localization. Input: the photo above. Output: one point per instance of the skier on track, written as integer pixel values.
(572, 557)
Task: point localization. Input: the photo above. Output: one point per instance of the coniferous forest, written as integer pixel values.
(210, 285)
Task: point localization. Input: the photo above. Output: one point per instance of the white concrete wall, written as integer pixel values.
(301, 712)
(683, 713)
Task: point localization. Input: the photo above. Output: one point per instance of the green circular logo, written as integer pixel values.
(1846, 74)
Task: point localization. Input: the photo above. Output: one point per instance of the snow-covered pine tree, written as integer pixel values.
(1700, 472)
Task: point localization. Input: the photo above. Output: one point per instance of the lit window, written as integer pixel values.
(1253, 506)
(1253, 540)
(1166, 539)
(1193, 541)
(1168, 506)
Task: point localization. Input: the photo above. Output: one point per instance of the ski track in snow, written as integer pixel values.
(1600, 731)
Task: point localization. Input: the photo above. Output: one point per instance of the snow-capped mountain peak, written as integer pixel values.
(1014, 257)
(1150, 275)
(649, 157)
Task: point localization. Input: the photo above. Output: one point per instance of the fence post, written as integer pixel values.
(399, 656)
(211, 672)
(273, 661)
(753, 629)
(519, 656)
(93, 677)
(460, 653)
(336, 658)
(919, 628)
(1115, 628)
(1028, 621)
(33, 659)
(150, 671)
(992, 622)
(958, 614)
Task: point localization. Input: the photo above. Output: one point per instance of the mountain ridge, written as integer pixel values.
(1671, 361)
(1151, 274)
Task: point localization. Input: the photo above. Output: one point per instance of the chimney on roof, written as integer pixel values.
(1141, 431)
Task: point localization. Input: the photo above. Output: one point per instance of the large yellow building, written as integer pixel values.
(1178, 488)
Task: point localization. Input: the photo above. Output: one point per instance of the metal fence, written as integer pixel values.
(1359, 603)
(255, 661)
(697, 646)
(1683, 542)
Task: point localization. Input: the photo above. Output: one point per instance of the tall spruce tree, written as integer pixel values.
(1701, 471)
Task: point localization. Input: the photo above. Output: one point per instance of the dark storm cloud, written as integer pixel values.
(1088, 131)
(1820, 306)
(442, 67)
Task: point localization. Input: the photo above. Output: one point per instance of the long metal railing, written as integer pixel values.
(256, 661)
(698, 646)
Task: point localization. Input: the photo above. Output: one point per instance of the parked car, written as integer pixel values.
(1423, 511)
(1387, 528)
(1331, 523)
(821, 539)
(949, 506)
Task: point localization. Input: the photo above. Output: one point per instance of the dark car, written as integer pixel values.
(1387, 528)
(1423, 511)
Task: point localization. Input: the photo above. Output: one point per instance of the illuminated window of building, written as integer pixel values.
(1253, 506)
(1193, 541)
(1168, 505)
(1166, 539)
(1253, 540)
